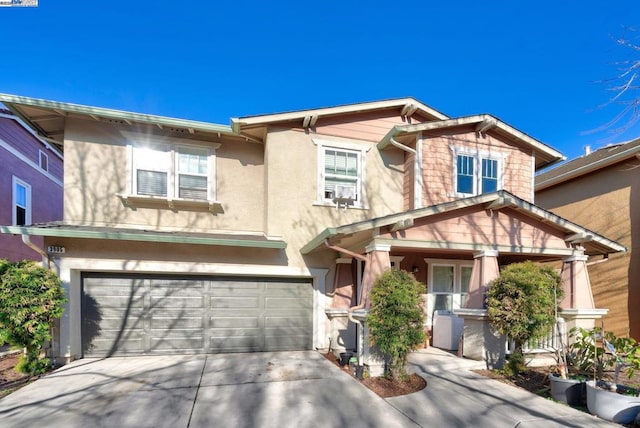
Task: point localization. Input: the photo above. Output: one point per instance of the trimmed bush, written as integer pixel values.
(396, 319)
(31, 298)
(521, 304)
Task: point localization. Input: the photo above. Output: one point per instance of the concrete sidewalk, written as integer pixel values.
(457, 397)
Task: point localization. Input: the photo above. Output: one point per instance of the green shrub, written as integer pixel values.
(396, 319)
(521, 303)
(31, 299)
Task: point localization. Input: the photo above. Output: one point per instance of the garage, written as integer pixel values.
(142, 315)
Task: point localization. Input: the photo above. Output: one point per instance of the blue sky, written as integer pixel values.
(538, 66)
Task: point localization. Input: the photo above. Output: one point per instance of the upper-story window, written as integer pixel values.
(341, 178)
(21, 202)
(44, 161)
(173, 171)
(475, 173)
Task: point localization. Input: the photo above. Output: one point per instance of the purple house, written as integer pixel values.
(30, 185)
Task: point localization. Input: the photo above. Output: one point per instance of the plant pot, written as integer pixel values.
(344, 358)
(568, 391)
(611, 406)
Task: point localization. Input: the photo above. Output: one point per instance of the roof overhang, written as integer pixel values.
(406, 107)
(544, 154)
(48, 118)
(587, 164)
(121, 234)
(365, 231)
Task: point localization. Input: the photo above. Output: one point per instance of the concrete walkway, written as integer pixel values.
(457, 397)
(273, 389)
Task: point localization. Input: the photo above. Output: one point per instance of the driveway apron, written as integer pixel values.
(272, 389)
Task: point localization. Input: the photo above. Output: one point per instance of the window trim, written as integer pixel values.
(27, 217)
(43, 156)
(173, 144)
(478, 156)
(457, 295)
(360, 150)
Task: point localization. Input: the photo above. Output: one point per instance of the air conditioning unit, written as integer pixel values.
(344, 195)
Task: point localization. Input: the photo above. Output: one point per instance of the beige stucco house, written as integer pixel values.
(182, 236)
(601, 190)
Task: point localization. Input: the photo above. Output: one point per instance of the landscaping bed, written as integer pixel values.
(384, 387)
(10, 380)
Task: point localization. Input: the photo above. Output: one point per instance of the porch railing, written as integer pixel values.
(554, 340)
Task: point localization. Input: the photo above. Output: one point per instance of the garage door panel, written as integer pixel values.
(234, 322)
(235, 302)
(193, 314)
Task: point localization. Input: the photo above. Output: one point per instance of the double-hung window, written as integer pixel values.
(21, 202)
(172, 171)
(341, 176)
(477, 172)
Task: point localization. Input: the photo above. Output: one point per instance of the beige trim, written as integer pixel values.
(303, 115)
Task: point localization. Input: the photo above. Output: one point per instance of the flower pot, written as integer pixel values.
(344, 358)
(568, 391)
(611, 406)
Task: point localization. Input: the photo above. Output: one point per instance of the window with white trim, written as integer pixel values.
(21, 202)
(447, 284)
(173, 171)
(341, 173)
(44, 161)
(475, 173)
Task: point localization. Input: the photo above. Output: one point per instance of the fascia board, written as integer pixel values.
(113, 114)
(145, 237)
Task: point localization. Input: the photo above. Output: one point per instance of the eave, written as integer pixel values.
(544, 154)
(84, 232)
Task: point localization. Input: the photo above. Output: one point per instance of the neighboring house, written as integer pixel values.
(601, 190)
(183, 236)
(30, 184)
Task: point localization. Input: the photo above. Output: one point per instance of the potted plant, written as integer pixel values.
(568, 383)
(599, 353)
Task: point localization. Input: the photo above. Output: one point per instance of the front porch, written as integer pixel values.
(456, 249)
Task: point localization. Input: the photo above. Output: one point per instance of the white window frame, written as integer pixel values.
(478, 156)
(173, 146)
(43, 158)
(457, 295)
(14, 203)
(360, 150)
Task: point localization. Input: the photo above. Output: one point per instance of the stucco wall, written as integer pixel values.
(97, 159)
(607, 202)
(293, 179)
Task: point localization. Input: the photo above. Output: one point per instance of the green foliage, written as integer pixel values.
(396, 319)
(521, 303)
(31, 299)
(587, 355)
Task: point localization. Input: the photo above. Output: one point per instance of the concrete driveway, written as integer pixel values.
(275, 389)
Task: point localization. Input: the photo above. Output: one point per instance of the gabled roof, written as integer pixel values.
(544, 154)
(406, 106)
(48, 117)
(587, 164)
(593, 242)
(61, 230)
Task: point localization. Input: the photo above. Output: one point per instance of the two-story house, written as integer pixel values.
(30, 185)
(183, 236)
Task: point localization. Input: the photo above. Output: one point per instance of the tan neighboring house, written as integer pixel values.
(189, 237)
(601, 190)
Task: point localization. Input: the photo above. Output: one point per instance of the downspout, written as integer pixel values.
(605, 258)
(26, 239)
(417, 168)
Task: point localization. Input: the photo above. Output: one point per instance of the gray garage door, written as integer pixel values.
(134, 315)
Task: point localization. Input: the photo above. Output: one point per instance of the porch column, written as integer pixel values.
(576, 284)
(378, 261)
(577, 306)
(485, 269)
(342, 332)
